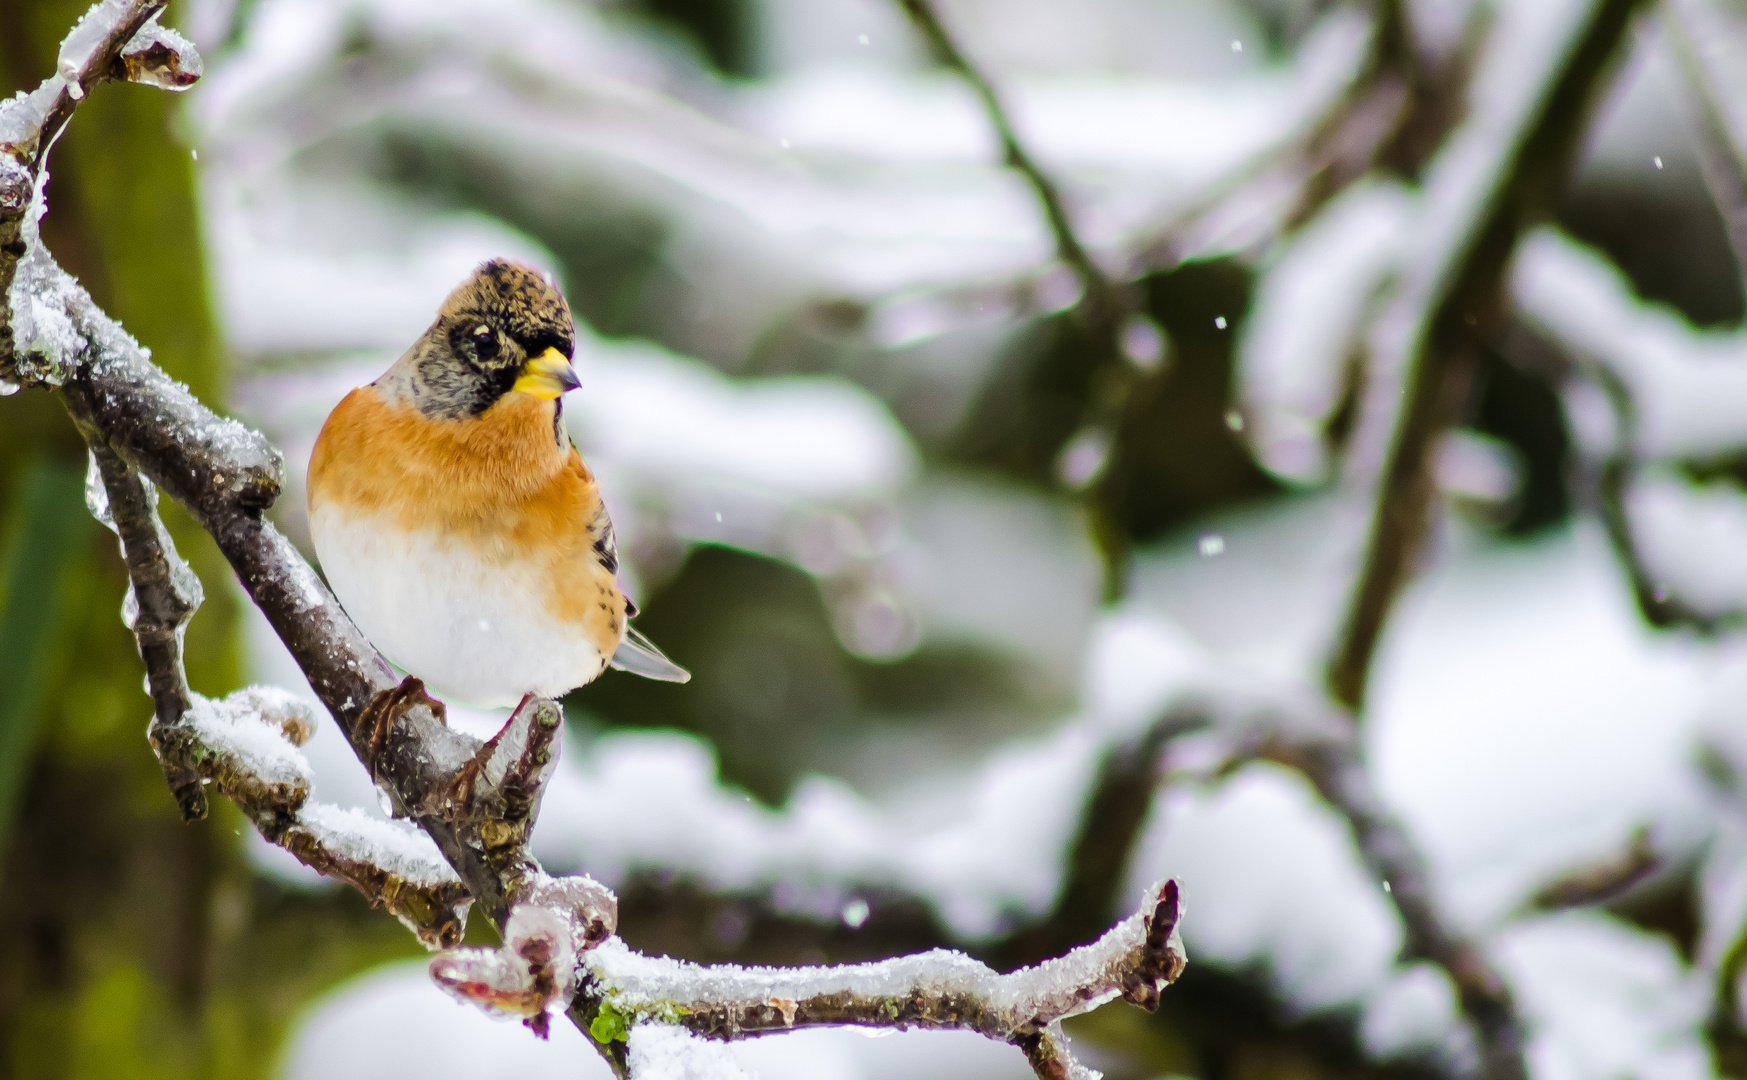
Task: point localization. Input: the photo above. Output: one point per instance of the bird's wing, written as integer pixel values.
(638, 656)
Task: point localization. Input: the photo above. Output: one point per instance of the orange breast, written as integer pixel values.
(500, 484)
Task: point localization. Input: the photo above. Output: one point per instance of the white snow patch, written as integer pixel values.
(1271, 879)
(1688, 386)
(664, 1052)
(1525, 721)
(238, 728)
(400, 847)
(634, 800)
(1604, 1000)
(645, 410)
(1305, 322)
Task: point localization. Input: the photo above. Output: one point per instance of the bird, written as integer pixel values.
(455, 520)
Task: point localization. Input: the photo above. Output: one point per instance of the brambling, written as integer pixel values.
(455, 520)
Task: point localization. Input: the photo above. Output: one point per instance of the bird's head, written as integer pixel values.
(504, 330)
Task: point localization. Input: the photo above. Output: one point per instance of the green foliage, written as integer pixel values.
(613, 1024)
(610, 1025)
(48, 514)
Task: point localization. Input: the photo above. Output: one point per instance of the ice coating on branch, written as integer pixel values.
(497, 981)
(642, 987)
(257, 742)
(46, 340)
(590, 907)
(301, 582)
(534, 972)
(398, 847)
(664, 1052)
(84, 38)
(21, 116)
(159, 56)
(182, 577)
(96, 495)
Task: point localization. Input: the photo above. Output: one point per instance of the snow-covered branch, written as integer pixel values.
(1647, 391)
(116, 39)
(1451, 304)
(1332, 762)
(246, 745)
(1134, 960)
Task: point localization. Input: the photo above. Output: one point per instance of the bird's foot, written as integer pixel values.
(460, 796)
(387, 707)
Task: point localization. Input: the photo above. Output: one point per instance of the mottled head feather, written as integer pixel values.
(485, 331)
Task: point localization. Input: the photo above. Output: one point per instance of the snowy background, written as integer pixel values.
(821, 349)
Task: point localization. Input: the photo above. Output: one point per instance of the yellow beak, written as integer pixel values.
(547, 376)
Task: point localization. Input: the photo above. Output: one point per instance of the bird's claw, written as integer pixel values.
(387, 707)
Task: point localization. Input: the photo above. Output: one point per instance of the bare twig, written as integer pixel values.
(1601, 881)
(1461, 309)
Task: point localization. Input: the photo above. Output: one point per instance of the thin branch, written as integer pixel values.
(1333, 765)
(1135, 960)
(225, 475)
(1115, 812)
(38, 120)
(1099, 299)
(1602, 880)
(1604, 486)
(1462, 308)
(199, 742)
(164, 599)
(1722, 157)
(1609, 488)
(1320, 744)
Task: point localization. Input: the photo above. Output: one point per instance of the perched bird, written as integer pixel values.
(456, 522)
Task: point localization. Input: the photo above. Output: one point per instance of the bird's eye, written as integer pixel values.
(484, 342)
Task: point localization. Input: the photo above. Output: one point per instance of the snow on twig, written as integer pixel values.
(92, 52)
(939, 989)
(1672, 393)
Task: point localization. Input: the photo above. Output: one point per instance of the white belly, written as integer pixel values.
(474, 632)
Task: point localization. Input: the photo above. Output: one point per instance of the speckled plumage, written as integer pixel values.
(455, 521)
